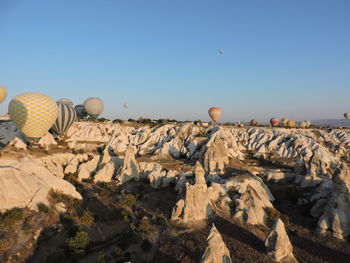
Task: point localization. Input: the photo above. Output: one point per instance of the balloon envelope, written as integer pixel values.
(125, 105)
(65, 101)
(291, 123)
(253, 122)
(65, 118)
(80, 110)
(274, 122)
(33, 113)
(214, 113)
(3, 93)
(347, 115)
(284, 121)
(93, 106)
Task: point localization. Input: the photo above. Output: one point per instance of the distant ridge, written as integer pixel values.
(332, 122)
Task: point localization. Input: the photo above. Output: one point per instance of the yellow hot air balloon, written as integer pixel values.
(291, 123)
(214, 113)
(3, 93)
(33, 113)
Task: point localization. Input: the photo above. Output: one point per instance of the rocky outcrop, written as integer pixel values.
(336, 215)
(193, 204)
(155, 175)
(47, 141)
(129, 170)
(251, 198)
(216, 250)
(278, 245)
(26, 182)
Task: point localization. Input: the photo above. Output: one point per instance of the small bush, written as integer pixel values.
(144, 227)
(125, 216)
(130, 200)
(8, 218)
(87, 218)
(101, 257)
(79, 243)
(117, 252)
(118, 121)
(43, 208)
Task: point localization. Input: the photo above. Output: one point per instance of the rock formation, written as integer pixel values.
(278, 244)
(216, 251)
(26, 182)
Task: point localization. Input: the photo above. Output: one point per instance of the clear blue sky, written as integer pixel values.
(281, 57)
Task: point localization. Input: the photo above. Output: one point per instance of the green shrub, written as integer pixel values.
(42, 207)
(87, 218)
(101, 257)
(130, 200)
(118, 121)
(79, 243)
(11, 216)
(144, 227)
(125, 216)
(117, 252)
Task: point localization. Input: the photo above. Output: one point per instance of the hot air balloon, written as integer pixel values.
(125, 105)
(65, 118)
(93, 106)
(303, 124)
(214, 113)
(3, 93)
(33, 113)
(65, 101)
(284, 121)
(291, 123)
(253, 122)
(221, 52)
(274, 122)
(347, 115)
(80, 110)
(308, 124)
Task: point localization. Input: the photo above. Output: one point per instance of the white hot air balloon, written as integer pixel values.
(94, 106)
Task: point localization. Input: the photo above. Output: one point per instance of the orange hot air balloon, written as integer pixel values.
(291, 123)
(253, 122)
(214, 113)
(284, 121)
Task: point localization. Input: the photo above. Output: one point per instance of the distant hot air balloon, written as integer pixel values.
(308, 124)
(274, 122)
(65, 101)
(33, 113)
(303, 124)
(291, 123)
(125, 105)
(80, 110)
(93, 106)
(347, 115)
(214, 113)
(253, 122)
(3, 93)
(284, 121)
(221, 52)
(65, 118)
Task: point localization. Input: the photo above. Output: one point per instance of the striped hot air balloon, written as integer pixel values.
(65, 118)
(253, 122)
(274, 122)
(33, 113)
(284, 121)
(214, 113)
(65, 101)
